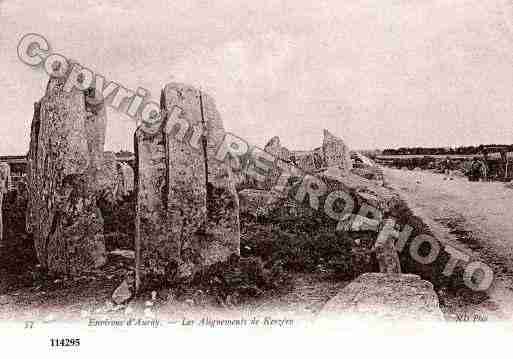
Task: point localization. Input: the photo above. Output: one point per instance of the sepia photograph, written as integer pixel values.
(244, 174)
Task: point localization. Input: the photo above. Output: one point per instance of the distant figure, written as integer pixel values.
(446, 166)
(476, 170)
(504, 165)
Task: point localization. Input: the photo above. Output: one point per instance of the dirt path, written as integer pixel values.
(473, 216)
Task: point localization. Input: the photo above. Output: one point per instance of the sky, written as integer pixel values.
(377, 73)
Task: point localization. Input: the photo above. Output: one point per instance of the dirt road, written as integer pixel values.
(473, 216)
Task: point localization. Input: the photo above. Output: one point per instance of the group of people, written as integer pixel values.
(477, 170)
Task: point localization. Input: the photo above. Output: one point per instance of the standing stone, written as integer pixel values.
(336, 153)
(282, 156)
(62, 165)
(107, 178)
(115, 179)
(223, 225)
(187, 205)
(151, 190)
(5, 184)
(126, 179)
(386, 253)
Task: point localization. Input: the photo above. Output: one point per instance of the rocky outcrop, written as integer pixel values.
(187, 206)
(63, 160)
(380, 296)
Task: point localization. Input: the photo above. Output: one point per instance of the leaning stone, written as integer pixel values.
(381, 296)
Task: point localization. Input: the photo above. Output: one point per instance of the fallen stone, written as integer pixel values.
(381, 296)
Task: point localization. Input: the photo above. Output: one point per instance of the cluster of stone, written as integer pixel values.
(333, 153)
(187, 206)
(65, 154)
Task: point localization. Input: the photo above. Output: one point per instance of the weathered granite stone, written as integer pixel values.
(386, 253)
(115, 179)
(107, 178)
(223, 225)
(125, 179)
(62, 162)
(336, 153)
(381, 296)
(281, 156)
(95, 127)
(151, 241)
(187, 205)
(5, 177)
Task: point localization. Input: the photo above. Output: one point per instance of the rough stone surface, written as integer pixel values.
(62, 164)
(386, 253)
(115, 179)
(126, 179)
(188, 208)
(380, 296)
(336, 153)
(151, 187)
(5, 177)
(123, 293)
